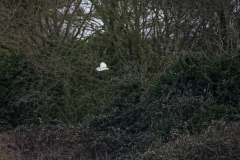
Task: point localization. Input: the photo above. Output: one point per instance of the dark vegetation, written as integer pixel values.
(172, 91)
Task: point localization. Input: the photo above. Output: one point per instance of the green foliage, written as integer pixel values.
(224, 77)
(9, 65)
(219, 141)
(189, 75)
(124, 113)
(195, 91)
(180, 90)
(59, 84)
(175, 96)
(164, 127)
(202, 118)
(183, 97)
(128, 94)
(10, 69)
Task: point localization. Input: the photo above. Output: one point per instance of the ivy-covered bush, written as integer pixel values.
(203, 118)
(196, 91)
(185, 98)
(126, 111)
(188, 76)
(224, 79)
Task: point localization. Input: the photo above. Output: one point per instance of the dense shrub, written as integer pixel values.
(188, 76)
(219, 141)
(53, 142)
(183, 100)
(127, 119)
(193, 76)
(193, 92)
(185, 97)
(74, 142)
(203, 117)
(224, 79)
(11, 67)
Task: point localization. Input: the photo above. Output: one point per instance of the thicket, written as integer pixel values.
(174, 69)
(11, 68)
(187, 97)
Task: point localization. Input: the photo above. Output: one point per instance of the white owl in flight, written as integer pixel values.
(102, 67)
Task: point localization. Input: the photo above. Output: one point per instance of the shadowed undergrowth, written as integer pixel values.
(219, 141)
(170, 118)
